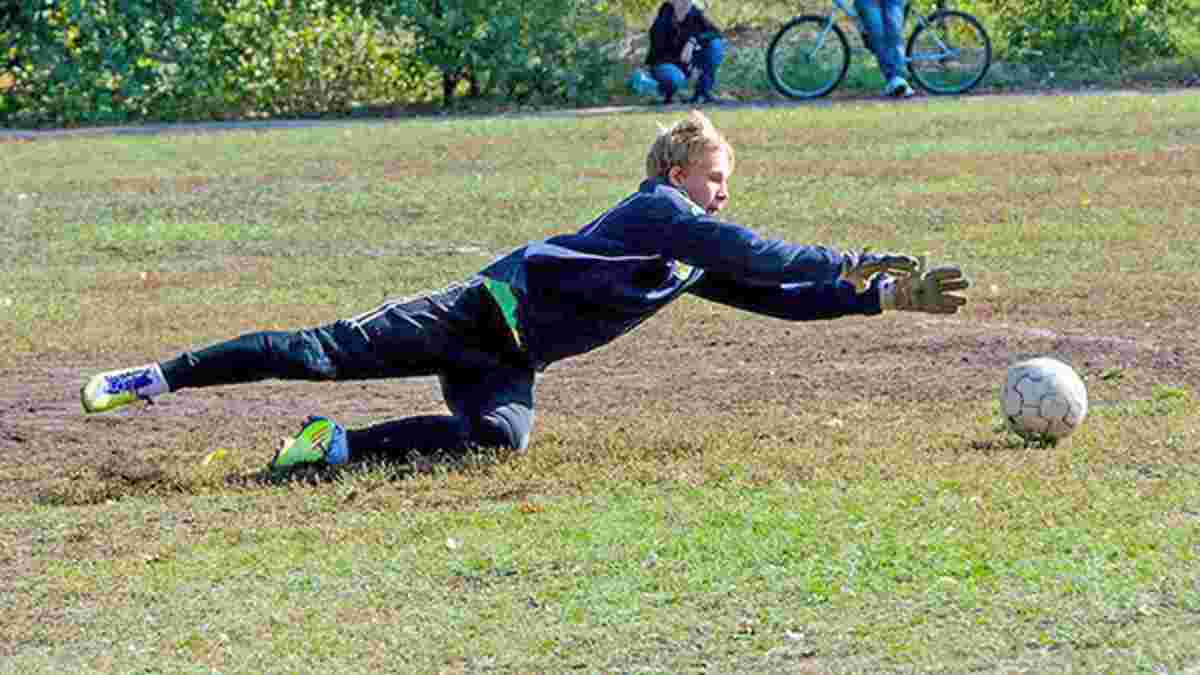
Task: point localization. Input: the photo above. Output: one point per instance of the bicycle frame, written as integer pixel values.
(945, 49)
(848, 11)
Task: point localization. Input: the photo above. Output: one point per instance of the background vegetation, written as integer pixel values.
(102, 61)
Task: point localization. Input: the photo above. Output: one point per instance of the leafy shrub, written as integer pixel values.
(316, 57)
(66, 62)
(522, 49)
(1109, 32)
(87, 61)
(106, 61)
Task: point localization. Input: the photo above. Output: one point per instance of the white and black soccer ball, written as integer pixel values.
(1043, 399)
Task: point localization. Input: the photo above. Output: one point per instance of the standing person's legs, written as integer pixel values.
(707, 60)
(893, 32)
(884, 23)
(670, 79)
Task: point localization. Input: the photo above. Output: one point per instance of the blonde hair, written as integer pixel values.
(683, 144)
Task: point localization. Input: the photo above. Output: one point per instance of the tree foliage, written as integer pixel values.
(66, 62)
(1106, 31)
(103, 61)
(546, 49)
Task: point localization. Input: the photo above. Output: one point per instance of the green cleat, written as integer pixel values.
(116, 388)
(320, 440)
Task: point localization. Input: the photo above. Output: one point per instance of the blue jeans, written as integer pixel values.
(707, 59)
(884, 22)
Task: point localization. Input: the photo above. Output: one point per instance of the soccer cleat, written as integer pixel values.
(320, 440)
(116, 388)
(898, 87)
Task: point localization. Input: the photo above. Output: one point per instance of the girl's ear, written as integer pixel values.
(676, 175)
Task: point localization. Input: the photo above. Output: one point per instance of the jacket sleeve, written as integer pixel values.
(730, 251)
(794, 302)
(699, 26)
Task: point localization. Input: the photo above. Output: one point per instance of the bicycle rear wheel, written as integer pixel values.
(949, 53)
(808, 57)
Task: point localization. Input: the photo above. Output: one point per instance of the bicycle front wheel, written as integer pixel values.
(808, 57)
(949, 53)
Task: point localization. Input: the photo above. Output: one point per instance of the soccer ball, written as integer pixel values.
(1043, 399)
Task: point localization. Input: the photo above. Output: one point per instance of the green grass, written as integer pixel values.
(723, 576)
(868, 516)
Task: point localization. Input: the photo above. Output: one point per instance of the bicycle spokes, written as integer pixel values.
(808, 57)
(948, 53)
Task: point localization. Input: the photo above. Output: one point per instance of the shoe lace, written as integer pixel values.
(130, 382)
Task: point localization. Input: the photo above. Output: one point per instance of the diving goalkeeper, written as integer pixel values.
(489, 337)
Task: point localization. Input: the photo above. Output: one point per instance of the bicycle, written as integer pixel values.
(948, 52)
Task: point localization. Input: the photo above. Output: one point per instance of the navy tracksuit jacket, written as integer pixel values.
(573, 293)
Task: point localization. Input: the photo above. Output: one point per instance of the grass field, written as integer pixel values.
(716, 492)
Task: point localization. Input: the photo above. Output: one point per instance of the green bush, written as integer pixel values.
(1105, 32)
(104, 61)
(75, 62)
(540, 50)
(638, 14)
(70, 62)
(107, 61)
(316, 58)
(1102, 32)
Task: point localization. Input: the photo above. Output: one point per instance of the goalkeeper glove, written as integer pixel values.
(860, 268)
(925, 290)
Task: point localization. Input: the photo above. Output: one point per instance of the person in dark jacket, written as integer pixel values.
(488, 337)
(683, 40)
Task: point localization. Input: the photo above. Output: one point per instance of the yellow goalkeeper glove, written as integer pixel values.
(860, 268)
(929, 291)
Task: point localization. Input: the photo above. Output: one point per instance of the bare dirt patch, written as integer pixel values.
(690, 367)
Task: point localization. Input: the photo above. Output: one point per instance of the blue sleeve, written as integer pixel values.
(731, 251)
(794, 302)
(699, 26)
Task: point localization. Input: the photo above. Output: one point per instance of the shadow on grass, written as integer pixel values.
(380, 466)
(133, 479)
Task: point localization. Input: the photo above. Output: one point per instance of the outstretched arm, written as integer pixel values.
(731, 251)
(930, 291)
(794, 302)
(660, 220)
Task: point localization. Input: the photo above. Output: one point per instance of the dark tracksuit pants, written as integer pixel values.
(457, 334)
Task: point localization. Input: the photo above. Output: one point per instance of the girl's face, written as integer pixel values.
(706, 181)
(682, 7)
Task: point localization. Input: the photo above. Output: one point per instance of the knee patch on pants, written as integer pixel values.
(303, 355)
(502, 429)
